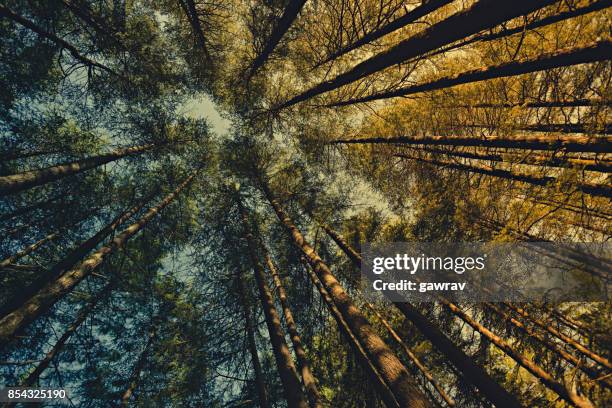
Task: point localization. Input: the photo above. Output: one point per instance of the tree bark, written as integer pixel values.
(307, 377)
(27, 250)
(423, 9)
(17, 182)
(542, 104)
(12, 324)
(591, 164)
(284, 362)
(390, 367)
(29, 208)
(597, 190)
(553, 127)
(290, 13)
(471, 372)
(70, 260)
(482, 15)
(566, 143)
(191, 12)
(593, 52)
(262, 394)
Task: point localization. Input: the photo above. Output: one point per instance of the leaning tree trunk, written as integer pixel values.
(307, 377)
(284, 362)
(262, 394)
(8, 13)
(593, 52)
(469, 370)
(191, 12)
(390, 367)
(596, 190)
(290, 13)
(12, 324)
(482, 15)
(17, 182)
(70, 260)
(421, 10)
(568, 143)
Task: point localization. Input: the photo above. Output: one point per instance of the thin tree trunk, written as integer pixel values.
(83, 12)
(597, 190)
(426, 7)
(8, 156)
(307, 377)
(591, 164)
(70, 260)
(28, 250)
(21, 181)
(262, 394)
(379, 382)
(568, 143)
(593, 52)
(482, 15)
(284, 362)
(29, 208)
(136, 372)
(471, 372)
(8, 13)
(290, 13)
(12, 324)
(390, 367)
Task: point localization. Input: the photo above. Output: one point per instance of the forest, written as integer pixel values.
(187, 186)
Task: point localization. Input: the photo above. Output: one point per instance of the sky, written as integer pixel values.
(203, 107)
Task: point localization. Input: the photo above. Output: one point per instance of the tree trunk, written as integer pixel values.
(12, 324)
(566, 143)
(70, 260)
(593, 52)
(17, 182)
(471, 372)
(542, 104)
(8, 13)
(591, 164)
(28, 250)
(390, 367)
(379, 382)
(419, 11)
(140, 365)
(482, 15)
(597, 190)
(262, 394)
(191, 12)
(290, 13)
(307, 377)
(29, 208)
(83, 12)
(284, 362)
(552, 127)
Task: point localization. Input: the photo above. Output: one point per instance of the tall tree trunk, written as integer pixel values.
(290, 13)
(482, 15)
(51, 202)
(191, 12)
(449, 401)
(419, 11)
(542, 104)
(390, 367)
(568, 143)
(17, 155)
(12, 324)
(381, 386)
(555, 18)
(28, 250)
(84, 13)
(552, 127)
(586, 163)
(8, 13)
(307, 377)
(597, 190)
(284, 362)
(262, 394)
(470, 371)
(70, 260)
(17, 182)
(137, 370)
(593, 52)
